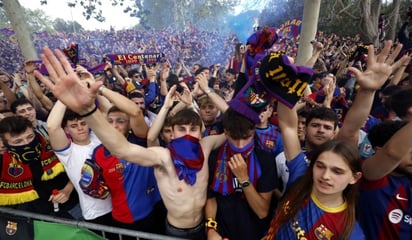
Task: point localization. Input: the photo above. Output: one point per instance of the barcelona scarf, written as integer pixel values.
(16, 179)
(223, 178)
(187, 156)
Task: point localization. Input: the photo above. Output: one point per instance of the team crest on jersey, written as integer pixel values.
(269, 144)
(367, 148)
(11, 228)
(119, 168)
(323, 233)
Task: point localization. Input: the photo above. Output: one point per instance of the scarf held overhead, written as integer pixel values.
(135, 58)
(187, 156)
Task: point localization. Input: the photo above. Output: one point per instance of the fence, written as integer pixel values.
(120, 232)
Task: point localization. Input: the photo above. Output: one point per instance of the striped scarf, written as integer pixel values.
(16, 179)
(223, 178)
(187, 156)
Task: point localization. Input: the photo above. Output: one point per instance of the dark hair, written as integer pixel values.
(200, 70)
(303, 113)
(186, 116)
(132, 72)
(14, 125)
(302, 188)
(135, 95)
(113, 109)
(19, 102)
(379, 134)
(231, 71)
(236, 125)
(401, 101)
(69, 115)
(322, 113)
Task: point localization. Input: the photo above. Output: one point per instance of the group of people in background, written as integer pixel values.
(199, 146)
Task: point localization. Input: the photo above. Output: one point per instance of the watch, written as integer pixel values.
(245, 184)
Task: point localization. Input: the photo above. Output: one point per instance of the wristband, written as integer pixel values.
(100, 90)
(89, 113)
(211, 223)
(207, 91)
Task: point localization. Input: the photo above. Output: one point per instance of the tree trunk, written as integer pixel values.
(308, 31)
(394, 21)
(15, 14)
(370, 10)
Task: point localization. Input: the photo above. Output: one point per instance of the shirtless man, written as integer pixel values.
(183, 197)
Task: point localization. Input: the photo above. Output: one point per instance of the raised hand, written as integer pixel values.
(379, 67)
(170, 97)
(65, 83)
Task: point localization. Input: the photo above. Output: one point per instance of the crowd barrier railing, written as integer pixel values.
(120, 232)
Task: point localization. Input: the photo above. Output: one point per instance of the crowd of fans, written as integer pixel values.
(270, 167)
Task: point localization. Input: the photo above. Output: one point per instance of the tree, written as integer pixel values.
(14, 13)
(61, 25)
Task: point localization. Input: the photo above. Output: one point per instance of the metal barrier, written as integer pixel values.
(121, 232)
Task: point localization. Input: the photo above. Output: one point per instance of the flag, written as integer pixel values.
(14, 227)
(49, 230)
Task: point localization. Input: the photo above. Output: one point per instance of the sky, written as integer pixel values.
(114, 15)
(59, 9)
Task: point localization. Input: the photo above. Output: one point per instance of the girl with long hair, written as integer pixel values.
(321, 204)
(320, 199)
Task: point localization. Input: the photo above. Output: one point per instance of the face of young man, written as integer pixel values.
(301, 127)
(139, 102)
(230, 77)
(208, 113)
(186, 129)
(120, 121)
(79, 131)
(319, 131)
(27, 111)
(166, 134)
(20, 139)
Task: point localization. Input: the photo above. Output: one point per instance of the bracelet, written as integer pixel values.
(209, 90)
(89, 113)
(100, 90)
(211, 223)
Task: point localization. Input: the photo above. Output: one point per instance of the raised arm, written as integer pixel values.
(317, 49)
(29, 67)
(156, 127)
(221, 104)
(379, 68)
(58, 138)
(288, 123)
(66, 86)
(126, 105)
(389, 156)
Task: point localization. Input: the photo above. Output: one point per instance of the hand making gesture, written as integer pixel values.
(65, 83)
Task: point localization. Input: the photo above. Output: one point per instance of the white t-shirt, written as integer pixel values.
(73, 157)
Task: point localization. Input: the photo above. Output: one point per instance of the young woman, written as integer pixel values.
(321, 203)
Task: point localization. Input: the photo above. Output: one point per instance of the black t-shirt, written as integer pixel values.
(235, 218)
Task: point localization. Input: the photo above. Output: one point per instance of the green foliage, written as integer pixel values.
(38, 21)
(61, 25)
